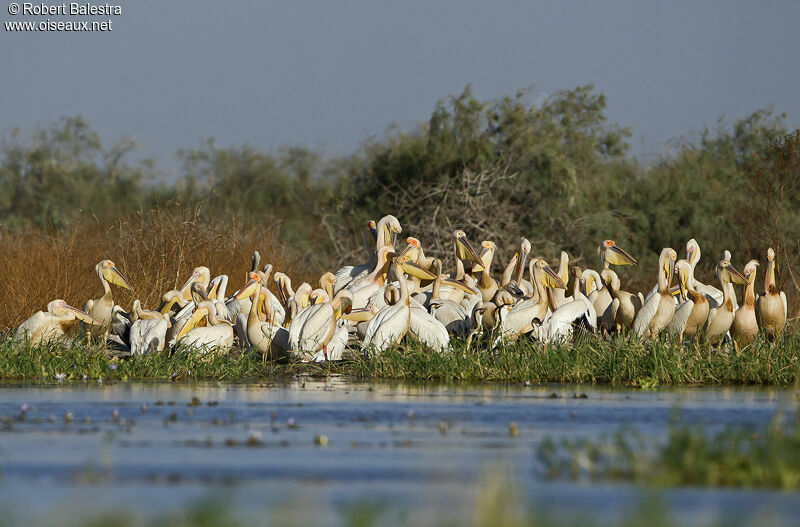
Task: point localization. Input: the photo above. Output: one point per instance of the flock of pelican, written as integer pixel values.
(403, 292)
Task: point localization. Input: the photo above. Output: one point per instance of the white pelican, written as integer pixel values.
(624, 305)
(363, 287)
(610, 254)
(561, 323)
(427, 329)
(691, 315)
(268, 337)
(693, 256)
(201, 275)
(560, 295)
(216, 293)
(516, 268)
(390, 324)
(217, 334)
(102, 308)
(387, 230)
(312, 330)
(414, 249)
(657, 312)
(454, 317)
(518, 319)
(465, 253)
(60, 319)
(487, 285)
(771, 308)
(594, 283)
(148, 331)
(745, 327)
(721, 318)
(171, 300)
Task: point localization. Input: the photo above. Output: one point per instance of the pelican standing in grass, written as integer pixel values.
(386, 231)
(60, 319)
(610, 254)
(102, 308)
(390, 324)
(267, 336)
(148, 331)
(721, 318)
(771, 306)
(657, 312)
(560, 295)
(625, 305)
(691, 315)
(517, 319)
(312, 331)
(454, 317)
(201, 275)
(216, 334)
(487, 285)
(362, 288)
(745, 327)
(465, 253)
(693, 256)
(561, 323)
(515, 269)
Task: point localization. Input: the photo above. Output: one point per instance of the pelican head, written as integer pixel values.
(749, 271)
(200, 274)
(265, 273)
(692, 252)
(327, 282)
(411, 249)
(107, 270)
(389, 227)
(614, 254)
(60, 308)
(411, 268)
(488, 248)
(728, 273)
(593, 280)
(771, 254)
(253, 284)
(198, 292)
(545, 275)
(667, 259)
(684, 270)
(464, 250)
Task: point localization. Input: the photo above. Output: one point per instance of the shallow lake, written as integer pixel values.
(315, 448)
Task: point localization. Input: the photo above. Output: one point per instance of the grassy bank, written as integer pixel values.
(620, 361)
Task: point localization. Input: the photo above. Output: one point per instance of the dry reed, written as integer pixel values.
(156, 250)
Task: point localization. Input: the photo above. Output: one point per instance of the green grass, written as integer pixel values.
(619, 361)
(690, 456)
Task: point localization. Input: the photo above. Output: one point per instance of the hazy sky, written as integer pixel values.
(330, 74)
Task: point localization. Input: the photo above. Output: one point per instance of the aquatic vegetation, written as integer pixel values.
(690, 456)
(618, 361)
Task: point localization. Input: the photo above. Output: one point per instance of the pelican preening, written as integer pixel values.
(400, 293)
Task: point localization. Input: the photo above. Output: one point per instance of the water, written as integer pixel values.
(410, 449)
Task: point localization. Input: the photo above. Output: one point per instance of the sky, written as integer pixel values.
(332, 74)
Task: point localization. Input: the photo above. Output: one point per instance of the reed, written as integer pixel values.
(156, 250)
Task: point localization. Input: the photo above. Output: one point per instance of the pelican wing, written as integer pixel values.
(681, 316)
(645, 315)
(428, 330)
(785, 306)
